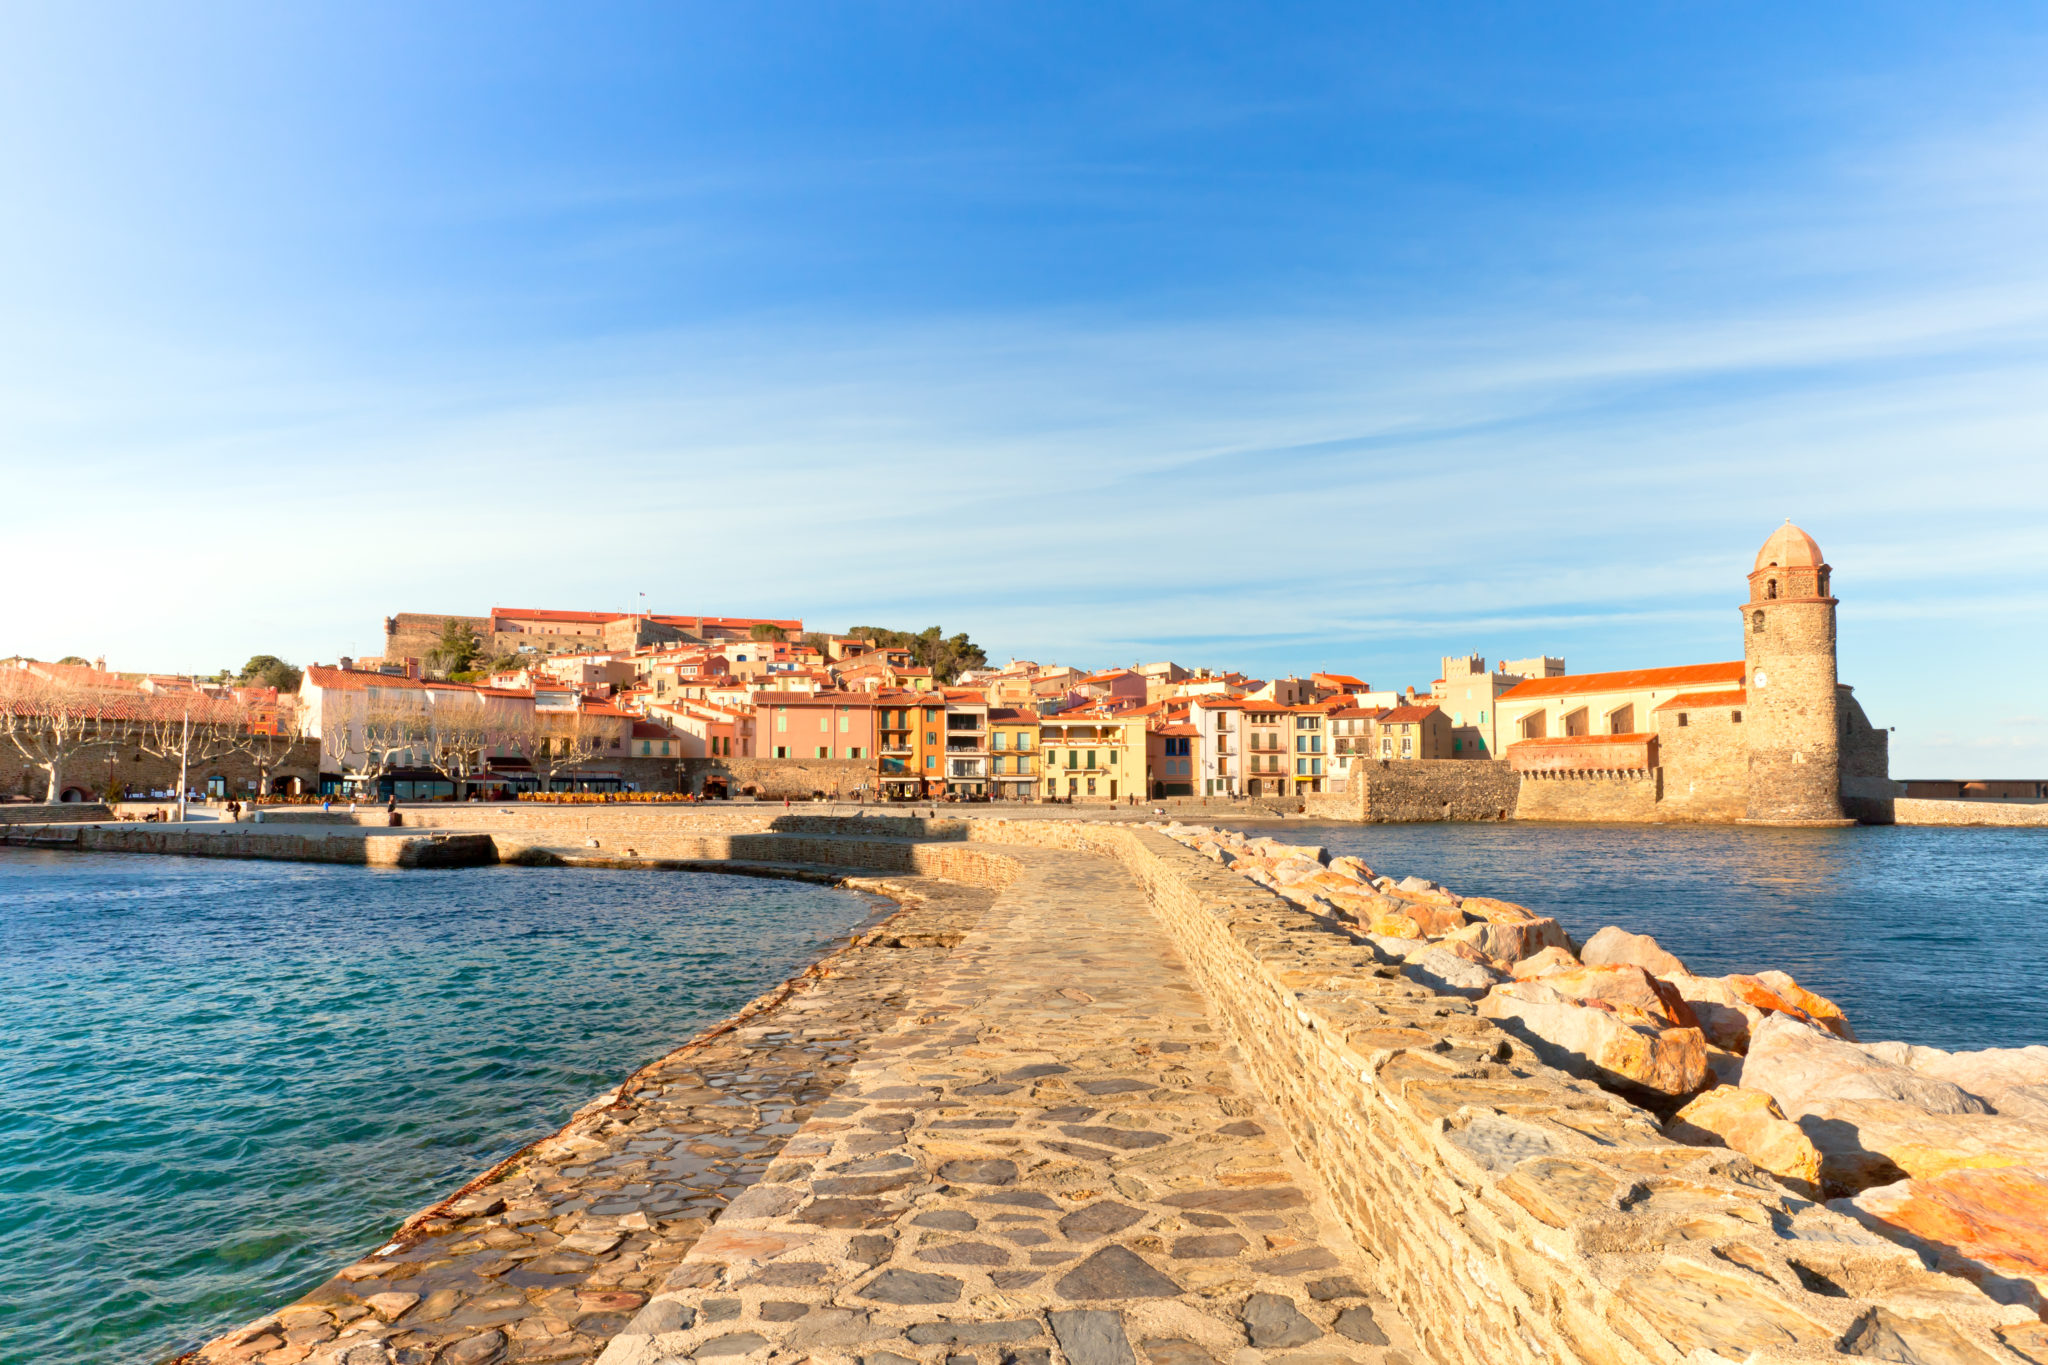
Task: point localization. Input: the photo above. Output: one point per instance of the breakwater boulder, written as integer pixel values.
(1943, 1152)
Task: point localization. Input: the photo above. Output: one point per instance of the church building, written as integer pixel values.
(1773, 738)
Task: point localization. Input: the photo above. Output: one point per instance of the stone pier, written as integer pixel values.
(1090, 1098)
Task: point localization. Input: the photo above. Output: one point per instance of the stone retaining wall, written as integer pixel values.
(63, 812)
(1909, 810)
(1519, 1214)
(1630, 797)
(1422, 789)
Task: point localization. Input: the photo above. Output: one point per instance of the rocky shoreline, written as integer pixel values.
(549, 1253)
(1943, 1152)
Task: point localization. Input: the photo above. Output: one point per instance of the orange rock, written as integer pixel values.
(1435, 917)
(1875, 1142)
(1496, 911)
(1614, 945)
(1750, 1122)
(1818, 1008)
(1729, 1007)
(1988, 1226)
(1456, 947)
(1543, 963)
(1623, 983)
(1511, 941)
(1619, 1045)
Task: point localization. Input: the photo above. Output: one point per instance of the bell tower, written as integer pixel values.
(1792, 720)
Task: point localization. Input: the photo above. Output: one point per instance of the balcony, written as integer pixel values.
(970, 744)
(890, 746)
(963, 724)
(965, 767)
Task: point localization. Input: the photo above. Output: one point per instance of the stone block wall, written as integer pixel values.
(1420, 789)
(1517, 1214)
(1590, 796)
(1910, 810)
(776, 778)
(1706, 765)
(68, 812)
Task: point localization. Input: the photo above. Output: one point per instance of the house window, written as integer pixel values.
(931, 761)
(1000, 740)
(1735, 717)
(1756, 621)
(1114, 755)
(1091, 786)
(1407, 746)
(824, 751)
(1315, 767)
(1771, 588)
(855, 752)
(1023, 741)
(1301, 767)
(1074, 786)
(1681, 719)
(781, 720)
(782, 751)
(931, 736)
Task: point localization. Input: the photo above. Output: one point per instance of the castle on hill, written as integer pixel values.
(1773, 738)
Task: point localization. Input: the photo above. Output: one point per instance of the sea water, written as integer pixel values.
(222, 1081)
(1933, 936)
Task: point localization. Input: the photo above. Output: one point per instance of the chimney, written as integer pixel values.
(346, 663)
(100, 664)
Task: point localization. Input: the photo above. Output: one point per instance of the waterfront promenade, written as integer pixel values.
(1092, 1097)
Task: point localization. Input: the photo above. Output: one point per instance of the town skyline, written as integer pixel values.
(1331, 341)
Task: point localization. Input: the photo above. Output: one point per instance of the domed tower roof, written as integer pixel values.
(1789, 548)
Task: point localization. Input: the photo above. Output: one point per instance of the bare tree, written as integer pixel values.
(271, 747)
(554, 743)
(396, 733)
(193, 728)
(53, 722)
(462, 731)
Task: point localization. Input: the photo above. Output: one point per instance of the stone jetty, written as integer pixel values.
(1103, 1094)
(1943, 1152)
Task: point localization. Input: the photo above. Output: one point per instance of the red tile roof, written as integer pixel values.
(1403, 714)
(1629, 680)
(1697, 700)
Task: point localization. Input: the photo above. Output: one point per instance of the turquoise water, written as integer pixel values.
(221, 1081)
(1934, 936)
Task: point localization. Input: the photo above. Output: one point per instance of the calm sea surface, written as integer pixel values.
(219, 1082)
(1934, 936)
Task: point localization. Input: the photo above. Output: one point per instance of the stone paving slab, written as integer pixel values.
(1051, 1156)
(550, 1254)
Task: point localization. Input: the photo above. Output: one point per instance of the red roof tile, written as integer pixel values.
(1696, 700)
(1628, 680)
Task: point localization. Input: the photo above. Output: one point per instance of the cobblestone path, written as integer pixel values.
(1050, 1156)
(547, 1262)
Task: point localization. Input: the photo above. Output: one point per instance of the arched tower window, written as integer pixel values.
(1822, 590)
(1771, 588)
(1756, 621)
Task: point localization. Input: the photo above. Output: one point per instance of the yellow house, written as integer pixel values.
(1013, 753)
(1093, 755)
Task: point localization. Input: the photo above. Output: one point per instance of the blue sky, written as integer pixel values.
(1274, 337)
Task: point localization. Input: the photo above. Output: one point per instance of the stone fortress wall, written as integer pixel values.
(1514, 1213)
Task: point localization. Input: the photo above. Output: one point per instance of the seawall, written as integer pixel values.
(1505, 1210)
